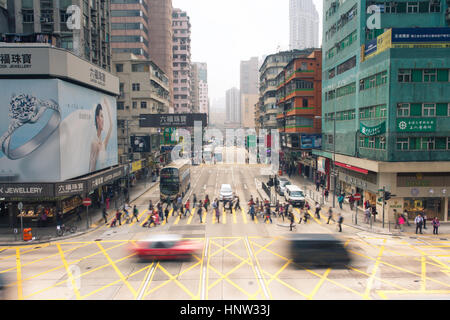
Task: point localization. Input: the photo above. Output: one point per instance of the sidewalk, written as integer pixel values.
(350, 216)
(47, 234)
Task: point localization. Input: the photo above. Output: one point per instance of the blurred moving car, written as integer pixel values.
(226, 193)
(281, 185)
(313, 249)
(294, 195)
(166, 246)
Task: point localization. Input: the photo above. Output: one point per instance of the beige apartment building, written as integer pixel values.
(144, 89)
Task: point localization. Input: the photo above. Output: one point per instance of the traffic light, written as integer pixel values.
(388, 195)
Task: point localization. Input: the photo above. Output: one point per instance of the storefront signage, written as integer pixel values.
(171, 120)
(416, 125)
(15, 60)
(140, 143)
(26, 190)
(104, 178)
(372, 131)
(309, 141)
(321, 161)
(135, 166)
(69, 188)
(349, 167)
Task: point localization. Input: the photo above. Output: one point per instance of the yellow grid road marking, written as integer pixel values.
(244, 217)
(19, 275)
(69, 273)
(224, 216)
(191, 216)
(234, 216)
(322, 280)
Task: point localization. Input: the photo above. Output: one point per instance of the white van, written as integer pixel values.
(294, 195)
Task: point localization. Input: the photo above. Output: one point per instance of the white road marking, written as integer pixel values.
(149, 276)
(260, 279)
(205, 266)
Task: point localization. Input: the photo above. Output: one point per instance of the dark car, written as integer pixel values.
(318, 250)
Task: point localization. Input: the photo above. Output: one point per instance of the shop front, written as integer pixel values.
(354, 180)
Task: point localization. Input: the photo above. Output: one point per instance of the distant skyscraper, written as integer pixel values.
(233, 105)
(203, 86)
(303, 24)
(249, 91)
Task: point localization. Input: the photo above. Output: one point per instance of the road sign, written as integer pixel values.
(87, 202)
(357, 196)
(20, 206)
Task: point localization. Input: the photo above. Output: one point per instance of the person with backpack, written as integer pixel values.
(340, 200)
(436, 225)
(340, 221)
(419, 223)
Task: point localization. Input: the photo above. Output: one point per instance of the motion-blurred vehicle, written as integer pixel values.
(226, 193)
(318, 250)
(166, 246)
(294, 195)
(281, 185)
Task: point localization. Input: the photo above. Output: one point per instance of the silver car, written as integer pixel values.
(281, 188)
(226, 193)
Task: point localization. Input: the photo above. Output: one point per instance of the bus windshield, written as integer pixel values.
(170, 181)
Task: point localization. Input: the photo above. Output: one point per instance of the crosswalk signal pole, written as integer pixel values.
(384, 191)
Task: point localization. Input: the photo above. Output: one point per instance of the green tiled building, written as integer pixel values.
(386, 102)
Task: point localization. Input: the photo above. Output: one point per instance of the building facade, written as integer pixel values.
(386, 111)
(181, 61)
(130, 27)
(195, 88)
(249, 80)
(203, 87)
(144, 89)
(45, 21)
(233, 106)
(303, 25)
(299, 101)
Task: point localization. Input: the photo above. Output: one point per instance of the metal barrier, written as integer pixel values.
(266, 189)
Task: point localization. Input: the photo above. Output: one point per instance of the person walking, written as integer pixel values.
(105, 215)
(351, 201)
(267, 218)
(150, 206)
(135, 214)
(77, 210)
(396, 218)
(292, 221)
(401, 222)
(237, 205)
(206, 202)
(340, 200)
(340, 221)
(216, 209)
(374, 213)
(318, 208)
(118, 216)
(435, 223)
(367, 214)
(252, 211)
(419, 223)
(405, 216)
(166, 213)
(326, 193)
(200, 210)
(187, 208)
(424, 215)
(330, 215)
(160, 211)
(317, 185)
(195, 201)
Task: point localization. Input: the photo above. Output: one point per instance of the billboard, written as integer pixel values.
(140, 143)
(53, 130)
(173, 120)
(310, 141)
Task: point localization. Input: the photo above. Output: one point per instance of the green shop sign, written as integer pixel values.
(416, 125)
(372, 131)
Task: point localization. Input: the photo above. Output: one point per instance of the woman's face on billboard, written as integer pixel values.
(100, 121)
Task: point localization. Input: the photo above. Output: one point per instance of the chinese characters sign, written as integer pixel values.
(171, 120)
(69, 188)
(97, 76)
(416, 125)
(15, 60)
(372, 131)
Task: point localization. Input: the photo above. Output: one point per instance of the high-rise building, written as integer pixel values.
(233, 105)
(303, 25)
(386, 104)
(181, 61)
(203, 87)
(160, 35)
(45, 21)
(249, 75)
(130, 27)
(195, 88)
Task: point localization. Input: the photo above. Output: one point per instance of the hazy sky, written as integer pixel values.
(225, 32)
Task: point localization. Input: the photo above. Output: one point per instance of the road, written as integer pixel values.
(241, 259)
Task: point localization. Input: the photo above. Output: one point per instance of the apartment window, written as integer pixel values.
(435, 6)
(305, 103)
(429, 75)
(119, 67)
(427, 143)
(429, 110)
(390, 7)
(383, 111)
(383, 142)
(140, 67)
(404, 75)
(403, 110)
(412, 7)
(143, 104)
(134, 106)
(136, 87)
(402, 143)
(120, 105)
(27, 16)
(448, 143)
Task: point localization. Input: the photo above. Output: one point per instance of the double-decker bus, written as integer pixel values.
(175, 179)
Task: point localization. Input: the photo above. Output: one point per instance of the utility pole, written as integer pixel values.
(384, 190)
(334, 159)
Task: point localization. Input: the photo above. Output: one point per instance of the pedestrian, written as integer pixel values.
(237, 205)
(401, 222)
(277, 208)
(206, 202)
(216, 209)
(252, 211)
(330, 215)
(267, 218)
(150, 206)
(351, 201)
(251, 201)
(405, 216)
(77, 210)
(326, 193)
(419, 222)
(366, 204)
(396, 218)
(317, 185)
(305, 216)
(367, 214)
(182, 212)
(195, 201)
(318, 208)
(166, 213)
(424, 215)
(340, 200)
(118, 216)
(292, 221)
(340, 221)
(105, 215)
(436, 225)
(199, 210)
(135, 214)
(160, 211)
(187, 207)
(108, 203)
(374, 213)
(174, 206)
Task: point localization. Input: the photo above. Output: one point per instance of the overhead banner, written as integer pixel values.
(173, 120)
(372, 131)
(53, 130)
(416, 125)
